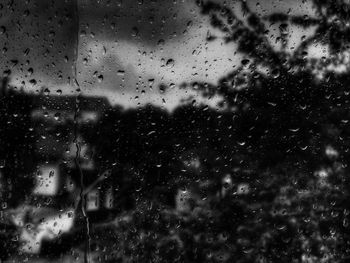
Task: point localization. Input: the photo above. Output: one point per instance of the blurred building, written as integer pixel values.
(62, 154)
(57, 125)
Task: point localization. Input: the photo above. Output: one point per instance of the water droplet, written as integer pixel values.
(170, 63)
(30, 71)
(57, 116)
(121, 73)
(275, 73)
(245, 62)
(134, 32)
(2, 30)
(46, 91)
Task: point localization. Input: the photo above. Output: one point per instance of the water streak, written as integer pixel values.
(76, 141)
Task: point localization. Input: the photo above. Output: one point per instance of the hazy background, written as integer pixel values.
(126, 47)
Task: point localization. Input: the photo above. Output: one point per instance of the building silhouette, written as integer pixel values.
(39, 141)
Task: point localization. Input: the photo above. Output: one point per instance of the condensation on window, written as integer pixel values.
(174, 131)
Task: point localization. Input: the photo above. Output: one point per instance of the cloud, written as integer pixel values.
(127, 48)
(37, 42)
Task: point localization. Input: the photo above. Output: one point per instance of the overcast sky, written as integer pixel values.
(126, 47)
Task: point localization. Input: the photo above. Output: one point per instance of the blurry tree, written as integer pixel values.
(290, 114)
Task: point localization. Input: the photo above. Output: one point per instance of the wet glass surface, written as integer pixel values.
(174, 131)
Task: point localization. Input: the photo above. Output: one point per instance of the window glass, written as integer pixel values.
(174, 131)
